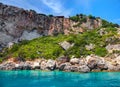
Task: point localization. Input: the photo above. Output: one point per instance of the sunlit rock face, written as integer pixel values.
(17, 24)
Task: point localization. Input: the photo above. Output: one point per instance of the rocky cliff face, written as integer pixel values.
(17, 24)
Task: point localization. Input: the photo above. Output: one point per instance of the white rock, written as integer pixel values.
(36, 64)
(118, 60)
(74, 61)
(16, 65)
(66, 45)
(51, 64)
(43, 65)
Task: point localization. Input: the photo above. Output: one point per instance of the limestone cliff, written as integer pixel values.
(17, 24)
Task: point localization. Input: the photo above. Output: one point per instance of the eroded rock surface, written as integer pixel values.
(88, 64)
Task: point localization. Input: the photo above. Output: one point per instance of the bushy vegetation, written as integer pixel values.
(100, 51)
(1, 59)
(91, 17)
(81, 18)
(108, 24)
(48, 46)
(75, 18)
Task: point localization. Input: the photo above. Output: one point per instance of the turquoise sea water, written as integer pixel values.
(58, 79)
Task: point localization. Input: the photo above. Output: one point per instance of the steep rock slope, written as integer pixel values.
(17, 24)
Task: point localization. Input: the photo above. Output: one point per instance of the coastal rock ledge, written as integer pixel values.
(88, 64)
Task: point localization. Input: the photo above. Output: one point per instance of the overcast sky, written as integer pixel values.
(106, 9)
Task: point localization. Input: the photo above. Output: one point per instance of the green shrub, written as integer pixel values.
(83, 20)
(100, 51)
(75, 18)
(1, 60)
(14, 48)
(108, 24)
(91, 17)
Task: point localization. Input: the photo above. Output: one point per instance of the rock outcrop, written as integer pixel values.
(17, 24)
(51, 64)
(66, 45)
(88, 64)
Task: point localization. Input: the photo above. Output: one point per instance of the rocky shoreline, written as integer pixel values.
(88, 64)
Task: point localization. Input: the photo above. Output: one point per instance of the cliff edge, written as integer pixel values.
(17, 24)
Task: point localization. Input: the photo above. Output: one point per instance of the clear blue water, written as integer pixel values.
(58, 79)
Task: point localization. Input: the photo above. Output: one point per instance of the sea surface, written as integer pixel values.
(58, 79)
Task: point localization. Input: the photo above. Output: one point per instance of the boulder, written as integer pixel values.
(7, 66)
(63, 59)
(10, 66)
(43, 65)
(91, 62)
(101, 64)
(74, 61)
(23, 66)
(84, 69)
(66, 45)
(95, 62)
(10, 44)
(62, 66)
(2, 67)
(65, 67)
(36, 65)
(74, 68)
(19, 66)
(82, 61)
(51, 64)
(112, 66)
(27, 66)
